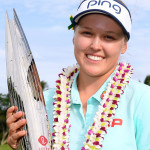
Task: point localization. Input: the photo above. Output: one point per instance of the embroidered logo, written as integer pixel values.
(42, 140)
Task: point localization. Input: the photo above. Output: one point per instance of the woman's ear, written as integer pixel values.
(124, 48)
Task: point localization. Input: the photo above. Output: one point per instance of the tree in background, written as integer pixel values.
(4, 104)
(147, 80)
(44, 85)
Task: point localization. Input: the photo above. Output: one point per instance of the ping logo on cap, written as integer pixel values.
(104, 3)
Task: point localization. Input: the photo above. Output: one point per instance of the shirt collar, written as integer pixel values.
(75, 97)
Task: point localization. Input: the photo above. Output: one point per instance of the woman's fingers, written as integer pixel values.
(14, 127)
(14, 139)
(11, 111)
(14, 117)
(19, 135)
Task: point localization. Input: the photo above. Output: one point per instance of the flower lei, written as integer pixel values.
(104, 116)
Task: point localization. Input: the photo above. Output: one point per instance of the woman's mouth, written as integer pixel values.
(95, 58)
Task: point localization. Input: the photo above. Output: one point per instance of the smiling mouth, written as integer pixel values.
(95, 58)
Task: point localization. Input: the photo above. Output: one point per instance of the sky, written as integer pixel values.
(45, 25)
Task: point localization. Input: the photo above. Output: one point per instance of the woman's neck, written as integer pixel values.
(88, 85)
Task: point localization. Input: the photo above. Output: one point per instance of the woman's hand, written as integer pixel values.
(15, 123)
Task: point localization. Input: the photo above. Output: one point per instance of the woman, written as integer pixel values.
(95, 104)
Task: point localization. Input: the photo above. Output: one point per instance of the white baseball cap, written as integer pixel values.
(112, 8)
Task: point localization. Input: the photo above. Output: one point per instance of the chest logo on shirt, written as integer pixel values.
(116, 122)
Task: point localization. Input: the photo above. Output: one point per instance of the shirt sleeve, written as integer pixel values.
(142, 119)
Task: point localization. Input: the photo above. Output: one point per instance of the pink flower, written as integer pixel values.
(120, 68)
(103, 129)
(57, 86)
(64, 127)
(108, 100)
(98, 134)
(58, 92)
(53, 134)
(96, 143)
(115, 79)
(90, 132)
(103, 113)
(117, 95)
(126, 71)
(68, 115)
(121, 64)
(109, 115)
(66, 120)
(117, 74)
(64, 134)
(111, 108)
(112, 86)
(128, 66)
(102, 119)
(119, 87)
(104, 105)
(58, 105)
(62, 148)
(114, 102)
(58, 112)
(67, 101)
(111, 93)
(93, 124)
(59, 99)
(58, 81)
(123, 75)
(55, 119)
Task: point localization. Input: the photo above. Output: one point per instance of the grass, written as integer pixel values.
(5, 147)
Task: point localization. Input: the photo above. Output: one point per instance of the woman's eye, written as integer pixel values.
(87, 33)
(108, 37)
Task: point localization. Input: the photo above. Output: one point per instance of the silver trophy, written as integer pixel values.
(25, 88)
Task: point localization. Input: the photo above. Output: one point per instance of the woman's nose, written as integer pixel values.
(96, 43)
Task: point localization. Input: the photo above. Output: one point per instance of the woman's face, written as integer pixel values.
(98, 42)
